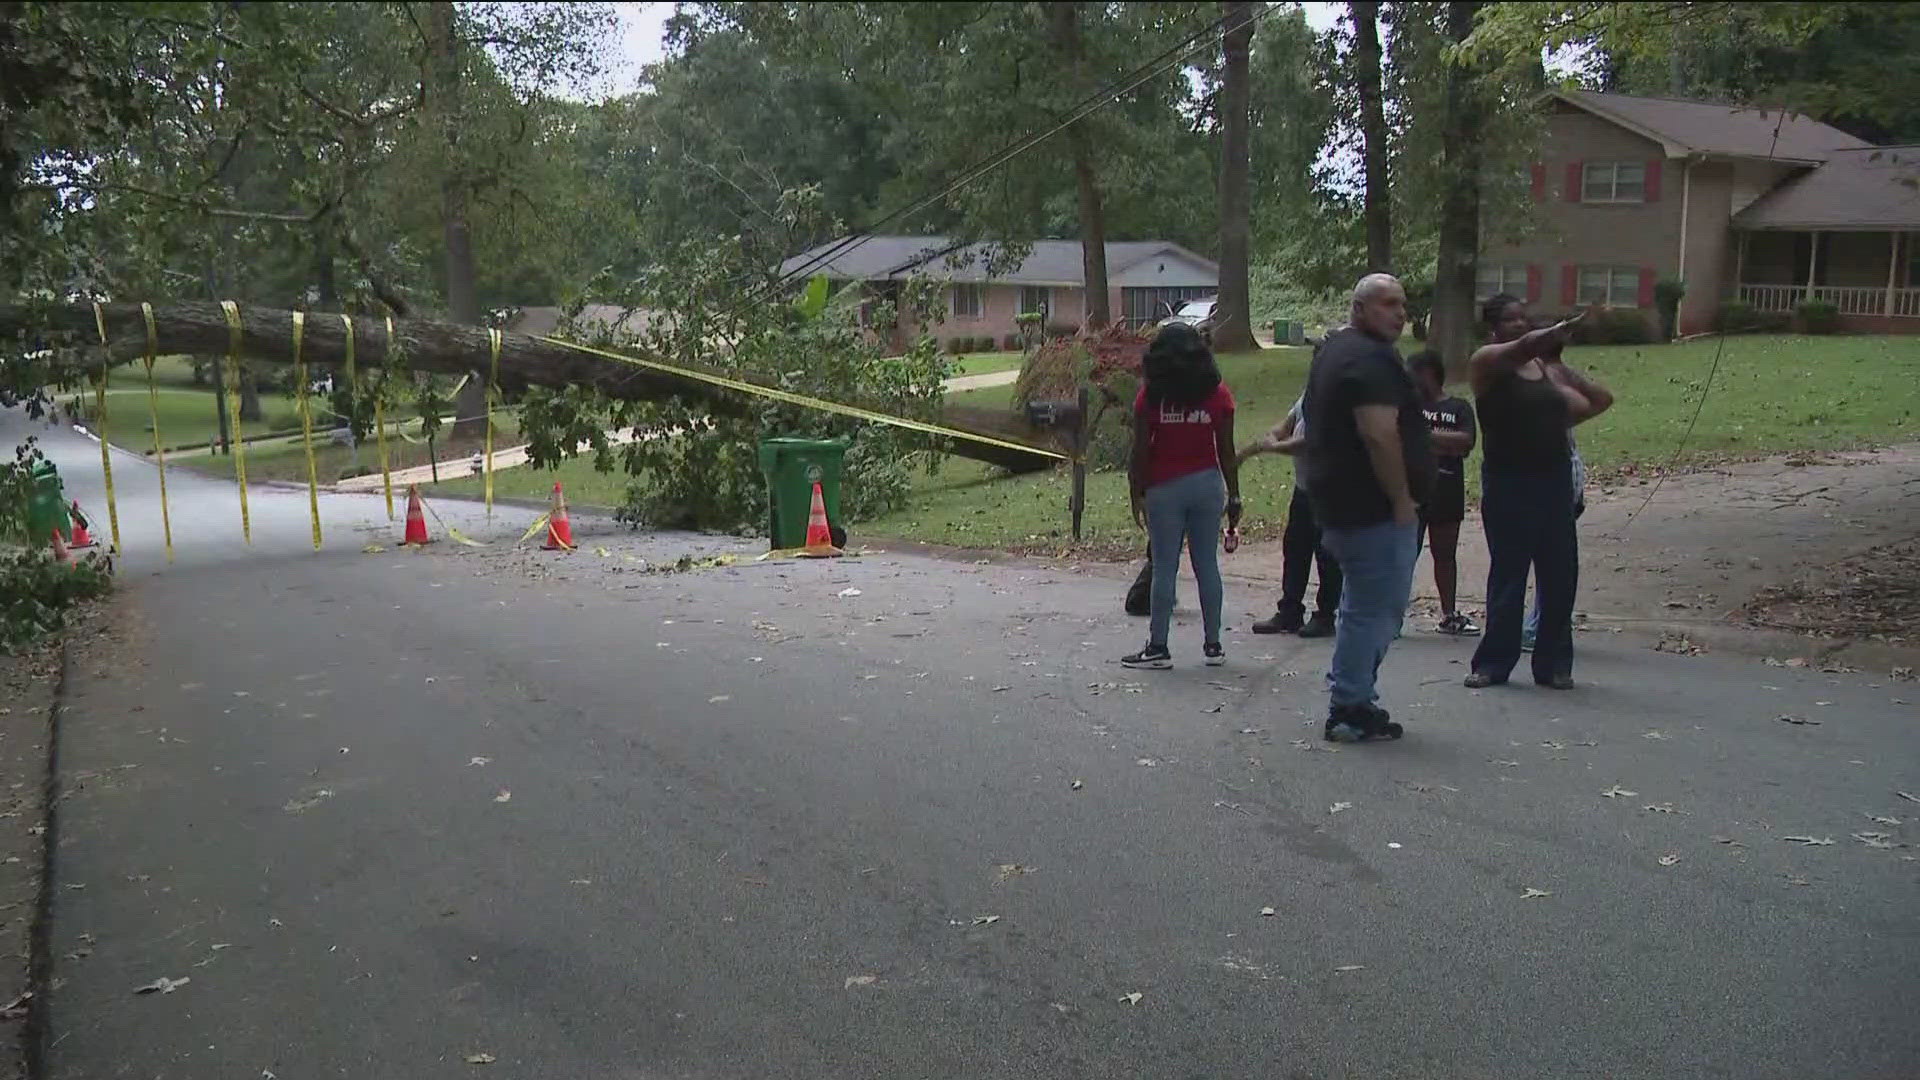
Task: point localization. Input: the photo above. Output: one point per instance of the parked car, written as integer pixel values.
(1201, 314)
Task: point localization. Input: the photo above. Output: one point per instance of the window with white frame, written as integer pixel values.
(1493, 278)
(1035, 300)
(1613, 182)
(967, 303)
(1610, 286)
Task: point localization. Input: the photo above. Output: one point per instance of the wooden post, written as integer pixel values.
(1893, 270)
(1079, 505)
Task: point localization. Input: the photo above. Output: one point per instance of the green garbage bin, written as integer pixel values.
(792, 467)
(1282, 331)
(47, 506)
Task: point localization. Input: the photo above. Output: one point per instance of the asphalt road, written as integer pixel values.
(387, 812)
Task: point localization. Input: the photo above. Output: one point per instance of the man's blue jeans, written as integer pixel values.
(1376, 568)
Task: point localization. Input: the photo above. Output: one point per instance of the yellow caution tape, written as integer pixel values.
(233, 414)
(380, 423)
(100, 407)
(493, 383)
(538, 524)
(153, 411)
(807, 402)
(306, 424)
(453, 534)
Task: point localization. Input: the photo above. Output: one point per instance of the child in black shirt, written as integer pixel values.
(1453, 433)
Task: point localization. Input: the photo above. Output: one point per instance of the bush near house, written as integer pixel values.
(1612, 326)
(1666, 300)
(1740, 317)
(1818, 317)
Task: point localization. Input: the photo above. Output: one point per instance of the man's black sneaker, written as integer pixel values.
(1321, 625)
(1458, 625)
(1216, 655)
(1153, 656)
(1285, 621)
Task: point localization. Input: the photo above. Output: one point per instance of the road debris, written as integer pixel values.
(162, 985)
(1076, 785)
(504, 796)
(1669, 860)
(1339, 806)
(1809, 841)
(1133, 998)
(846, 593)
(1799, 720)
(859, 980)
(1344, 968)
(1618, 792)
(481, 1059)
(985, 920)
(1535, 894)
(1006, 872)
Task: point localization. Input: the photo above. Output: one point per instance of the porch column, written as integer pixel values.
(1813, 261)
(1739, 264)
(1893, 269)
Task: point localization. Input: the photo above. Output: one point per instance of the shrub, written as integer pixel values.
(1666, 300)
(958, 345)
(1012, 343)
(1055, 331)
(1818, 317)
(1109, 362)
(35, 591)
(1736, 317)
(1613, 326)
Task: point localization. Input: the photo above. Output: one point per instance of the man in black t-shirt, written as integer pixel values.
(1369, 465)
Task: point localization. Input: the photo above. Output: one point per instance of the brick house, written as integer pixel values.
(1760, 206)
(1143, 278)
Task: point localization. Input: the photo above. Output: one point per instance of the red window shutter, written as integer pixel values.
(1533, 283)
(1646, 287)
(1569, 284)
(1575, 171)
(1653, 180)
(1539, 182)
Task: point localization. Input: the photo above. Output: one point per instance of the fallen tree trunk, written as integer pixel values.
(448, 348)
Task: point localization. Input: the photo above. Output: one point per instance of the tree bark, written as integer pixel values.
(1373, 132)
(249, 395)
(1452, 329)
(1233, 329)
(266, 335)
(1093, 222)
(463, 299)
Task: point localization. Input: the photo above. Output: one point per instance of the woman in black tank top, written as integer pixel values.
(1527, 400)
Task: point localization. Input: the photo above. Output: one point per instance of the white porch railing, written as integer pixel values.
(1848, 299)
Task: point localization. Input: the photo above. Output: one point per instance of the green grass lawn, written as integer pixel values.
(288, 461)
(986, 363)
(584, 486)
(186, 416)
(1773, 394)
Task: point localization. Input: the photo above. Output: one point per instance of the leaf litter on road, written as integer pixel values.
(1268, 913)
(1809, 841)
(481, 1059)
(163, 985)
(1338, 807)
(859, 980)
(1006, 872)
(985, 920)
(1800, 721)
(1879, 819)
(1133, 998)
(1618, 792)
(1669, 860)
(504, 796)
(1535, 894)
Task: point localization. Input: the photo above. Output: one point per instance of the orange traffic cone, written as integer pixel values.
(559, 529)
(819, 533)
(81, 538)
(60, 549)
(416, 520)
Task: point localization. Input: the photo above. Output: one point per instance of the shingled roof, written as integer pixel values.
(1700, 127)
(1873, 188)
(1050, 262)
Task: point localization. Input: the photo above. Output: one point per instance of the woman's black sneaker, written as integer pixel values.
(1216, 655)
(1155, 657)
(1358, 723)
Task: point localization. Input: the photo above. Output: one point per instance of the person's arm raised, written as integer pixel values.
(1504, 358)
(1593, 396)
(1380, 430)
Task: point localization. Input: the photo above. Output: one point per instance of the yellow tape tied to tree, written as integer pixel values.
(305, 391)
(238, 444)
(153, 412)
(493, 382)
(100, 410)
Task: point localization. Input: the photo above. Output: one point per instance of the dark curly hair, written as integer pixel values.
(1179, 368)
(1428, 360)
(1495, 305)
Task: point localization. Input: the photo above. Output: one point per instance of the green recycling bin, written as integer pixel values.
(1282, 331)
(47, 506)
(792, 467)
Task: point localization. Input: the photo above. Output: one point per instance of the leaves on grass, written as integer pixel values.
(163, 985)
(1809, 841)
(1618, 792)
(1535, 894)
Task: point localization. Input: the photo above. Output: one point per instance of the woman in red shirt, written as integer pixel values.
(1182, 478)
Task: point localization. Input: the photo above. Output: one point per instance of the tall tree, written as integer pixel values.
(1373, 133)
(1064, 20)
(1452, 326)
(1234, 331)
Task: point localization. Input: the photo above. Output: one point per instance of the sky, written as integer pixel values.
(638, 40)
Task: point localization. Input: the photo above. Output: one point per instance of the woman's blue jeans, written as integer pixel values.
(1186, 509)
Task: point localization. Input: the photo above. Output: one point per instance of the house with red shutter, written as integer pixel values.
(1739, 203)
